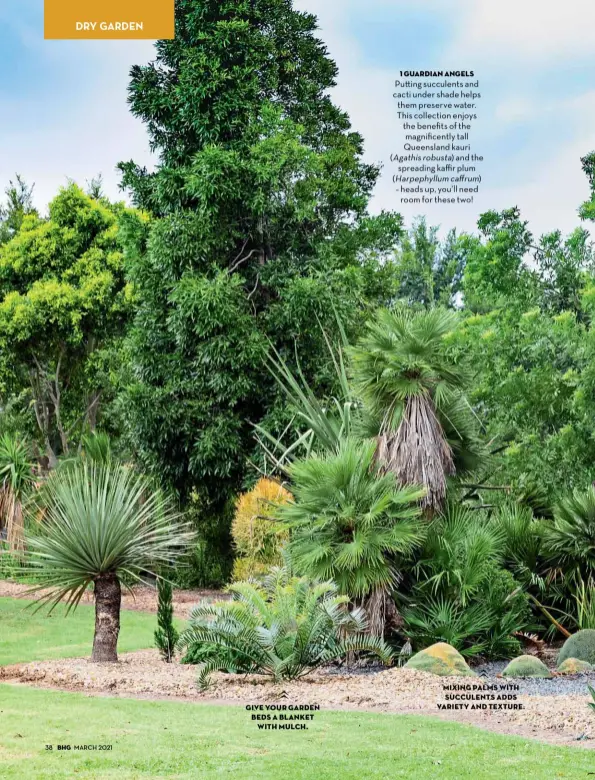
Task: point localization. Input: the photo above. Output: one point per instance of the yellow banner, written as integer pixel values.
(109, 19)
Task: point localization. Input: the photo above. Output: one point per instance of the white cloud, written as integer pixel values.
(525, 30)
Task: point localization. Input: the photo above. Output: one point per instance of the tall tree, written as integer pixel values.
(261, 193)
(413, 385)
(19, 203)
(63, 300)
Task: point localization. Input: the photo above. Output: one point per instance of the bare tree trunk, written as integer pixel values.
(108, 598)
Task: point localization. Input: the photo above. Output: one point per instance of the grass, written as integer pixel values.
(152, 739)
(26, 635)
(168, 739)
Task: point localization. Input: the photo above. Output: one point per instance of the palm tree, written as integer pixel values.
(16, 478)
(569, 541)
(413, 389)
(350, 524)
(102, 522)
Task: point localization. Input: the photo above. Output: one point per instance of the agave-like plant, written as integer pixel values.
(16, 480)
(351, 524)
(102, 522)
(413, 387)
(283, 628)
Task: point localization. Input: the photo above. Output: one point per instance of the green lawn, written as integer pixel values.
(154, 739)
(167, 739)
(26, 635)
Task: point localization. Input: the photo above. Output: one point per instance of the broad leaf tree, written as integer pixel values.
(63, 300)
(262, 234)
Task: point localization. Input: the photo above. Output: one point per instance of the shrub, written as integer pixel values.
(256, 534)
(349, 522)
(283, 628)
(461, 593)
(580, 645)
(574, 666)
(526, 666)
(569, 542)
(442, 659)
(166, 635)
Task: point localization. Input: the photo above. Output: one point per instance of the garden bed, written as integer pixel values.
(553, 710)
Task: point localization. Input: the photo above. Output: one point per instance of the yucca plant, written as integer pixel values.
(283, 628)
(16, 480)
(408, 381)
(351, 524)
(102, 523)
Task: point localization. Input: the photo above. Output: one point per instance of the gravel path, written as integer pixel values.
(564, 685)
(553, 714)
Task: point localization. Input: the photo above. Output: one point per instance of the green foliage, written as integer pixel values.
(97, 447)
(261, 231)
(284, 628)
(459, 591)
(430, 272)
(532, 389)
(412, 385)
(569, 542)
(587, 210)
(63, 301)
(526, 666)
(580, 645)
(166, 635)
(101, 519)
(18, 204)
(16, 468)
(16, 480)
(348, 522)
(495, 271)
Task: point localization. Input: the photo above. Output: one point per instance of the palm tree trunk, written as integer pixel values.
(108, 598)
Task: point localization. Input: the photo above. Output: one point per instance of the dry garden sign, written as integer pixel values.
(109, 19)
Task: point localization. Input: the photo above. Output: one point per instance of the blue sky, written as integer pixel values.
(63, 111)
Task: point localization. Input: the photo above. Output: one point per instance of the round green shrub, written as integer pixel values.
(580, 645)
(441, 659)
(526, 666)
(574, 666)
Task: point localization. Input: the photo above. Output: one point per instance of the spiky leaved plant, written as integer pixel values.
(166, 635)
(102, 521)
(16, 479)
(283, 628)
(350, 524)
(569, 541)
(410, 384)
